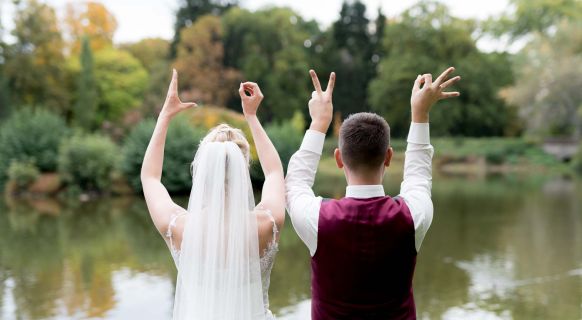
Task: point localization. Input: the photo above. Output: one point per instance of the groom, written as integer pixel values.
(363, 247)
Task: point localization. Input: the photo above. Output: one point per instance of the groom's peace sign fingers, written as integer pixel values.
(444, 76)
(450, 82)
(417, 83)
(330, 84)
(317, 84)
(315, 80)
(446, 95)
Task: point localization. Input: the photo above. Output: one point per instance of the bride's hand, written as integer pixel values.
(251, 97)
(173, 105)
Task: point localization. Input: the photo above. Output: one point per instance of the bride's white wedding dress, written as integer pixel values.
(267, 258)
(221, 273)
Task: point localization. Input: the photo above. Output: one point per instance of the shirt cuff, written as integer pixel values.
(313, 141)
(419, 133)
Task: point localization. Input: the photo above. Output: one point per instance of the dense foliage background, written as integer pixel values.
(59, 77)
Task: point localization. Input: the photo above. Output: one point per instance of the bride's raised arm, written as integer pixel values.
(273, 193)
(160, 205)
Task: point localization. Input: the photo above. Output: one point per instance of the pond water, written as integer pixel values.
(499, 248)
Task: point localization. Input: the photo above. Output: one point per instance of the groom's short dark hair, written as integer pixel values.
(364, 139)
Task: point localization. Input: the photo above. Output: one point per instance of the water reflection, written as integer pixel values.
(66, 265)
(505, 248)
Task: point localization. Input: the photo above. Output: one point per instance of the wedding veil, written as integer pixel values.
(219, 273)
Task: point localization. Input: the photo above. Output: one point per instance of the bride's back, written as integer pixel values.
(265, 234)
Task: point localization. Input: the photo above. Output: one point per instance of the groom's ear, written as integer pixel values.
(388, 157)
(338, 158)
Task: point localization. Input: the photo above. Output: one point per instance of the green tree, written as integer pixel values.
(377, 37)
(34, 63)
(548, 92)
(534, 16)
(267, 46)
(151, 52)
(121, 82)
(191, 10)
(4, 98)
(200, 61)
(157, 88)
(4, 93)
(352, 48)
(427, 39)
(87, 97)
(89, 19)
(548, 67)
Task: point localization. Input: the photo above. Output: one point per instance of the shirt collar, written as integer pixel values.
(365, 191)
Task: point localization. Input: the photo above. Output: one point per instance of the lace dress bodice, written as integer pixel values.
(267, 259)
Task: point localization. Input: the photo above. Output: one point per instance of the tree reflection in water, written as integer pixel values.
(501, 248)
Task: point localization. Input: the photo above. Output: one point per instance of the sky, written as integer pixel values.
(138, 19)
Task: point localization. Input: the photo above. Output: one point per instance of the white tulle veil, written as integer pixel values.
(219, 273)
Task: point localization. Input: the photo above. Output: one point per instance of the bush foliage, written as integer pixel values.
(23, 173)
(181, 144)
(88, 161)
(578, 159)
(286, 138)
(31, 135)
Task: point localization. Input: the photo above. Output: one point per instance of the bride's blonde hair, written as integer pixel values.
(223, 133)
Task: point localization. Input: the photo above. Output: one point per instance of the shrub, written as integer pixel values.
(181, 144)
(23, 173)
(578, 159)
(87, 162)
(287, 138)
(31, 136)
(498, 156)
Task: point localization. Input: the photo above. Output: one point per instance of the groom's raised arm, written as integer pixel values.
(416, 187)
(302, 204)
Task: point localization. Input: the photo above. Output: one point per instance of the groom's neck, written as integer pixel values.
(364, 178)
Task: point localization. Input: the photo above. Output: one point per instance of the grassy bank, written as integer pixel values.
(469, 156)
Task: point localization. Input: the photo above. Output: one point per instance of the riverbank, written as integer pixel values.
(470, 156)
(473, 157)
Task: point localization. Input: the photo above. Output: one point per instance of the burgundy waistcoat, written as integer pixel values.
(365, 259)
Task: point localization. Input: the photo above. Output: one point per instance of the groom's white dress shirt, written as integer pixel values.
(303, 206)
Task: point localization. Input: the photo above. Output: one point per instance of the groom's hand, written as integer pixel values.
(425, 93)
(320, 105)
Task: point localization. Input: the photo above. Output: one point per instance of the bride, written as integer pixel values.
(223, 245)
